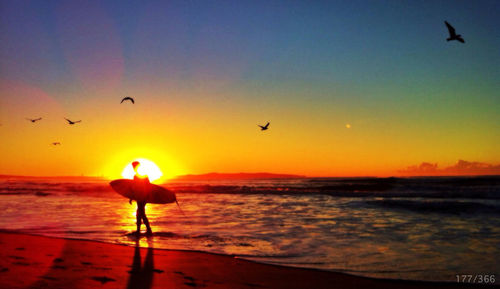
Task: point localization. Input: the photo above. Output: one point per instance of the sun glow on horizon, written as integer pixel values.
(145, 168)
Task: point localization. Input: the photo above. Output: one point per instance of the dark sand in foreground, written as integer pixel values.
(28, 261)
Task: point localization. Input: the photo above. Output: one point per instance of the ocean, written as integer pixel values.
(403, 228)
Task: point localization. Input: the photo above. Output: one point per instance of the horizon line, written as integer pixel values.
(290, 176)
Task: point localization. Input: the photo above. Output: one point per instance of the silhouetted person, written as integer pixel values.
(265, 127)
(72, 122)
(141, 206)
(34, 120)
(128, 98)
(453, 35)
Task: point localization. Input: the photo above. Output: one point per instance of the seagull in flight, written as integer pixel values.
(453, 35)
(34, 119)
(56, 143)
(128, 98)
(265, 127)
(72, 122)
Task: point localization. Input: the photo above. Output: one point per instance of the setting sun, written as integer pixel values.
(145, 168)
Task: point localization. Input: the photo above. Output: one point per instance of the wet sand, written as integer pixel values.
(28, 261)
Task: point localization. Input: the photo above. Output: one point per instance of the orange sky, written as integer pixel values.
(223, 137)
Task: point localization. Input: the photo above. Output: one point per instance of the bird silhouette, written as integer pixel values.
(72, 122)
(34, 119)
(128, 98)
(453, 35)
(265, 127)
(56, 143)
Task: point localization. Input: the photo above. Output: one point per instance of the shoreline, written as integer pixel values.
(33, 261)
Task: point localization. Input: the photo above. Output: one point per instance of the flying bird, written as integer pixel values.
(453, 35)
(56, 143)
(72, 122)
(128, 98)
(265, 127)
(34, 120)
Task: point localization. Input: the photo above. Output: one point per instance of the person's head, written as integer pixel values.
(135, 164)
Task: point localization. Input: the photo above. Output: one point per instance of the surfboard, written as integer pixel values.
(143, 191)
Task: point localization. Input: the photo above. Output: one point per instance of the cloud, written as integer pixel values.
(423, 168)
(461, 167)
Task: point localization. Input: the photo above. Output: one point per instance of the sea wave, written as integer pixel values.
(438, 206)
(454, 188)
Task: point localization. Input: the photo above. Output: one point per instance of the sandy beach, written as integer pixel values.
(28, 261)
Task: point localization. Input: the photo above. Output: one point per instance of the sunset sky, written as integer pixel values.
(350, 87)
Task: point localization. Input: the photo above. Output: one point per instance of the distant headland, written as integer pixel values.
(235, 176)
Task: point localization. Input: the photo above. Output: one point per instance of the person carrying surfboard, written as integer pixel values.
(143, 192)
(141, 205)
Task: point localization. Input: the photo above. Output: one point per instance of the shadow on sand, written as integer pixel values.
(141, 275)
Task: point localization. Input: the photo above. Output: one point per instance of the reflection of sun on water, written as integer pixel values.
(146, 168)
(128, 219)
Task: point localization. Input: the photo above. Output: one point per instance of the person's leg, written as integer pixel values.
(138, 217)
(148, 227)
(146, 222)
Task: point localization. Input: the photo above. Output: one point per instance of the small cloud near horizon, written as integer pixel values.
(461, 167)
